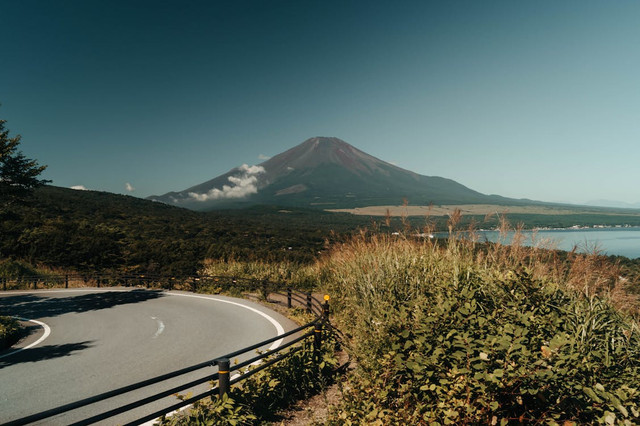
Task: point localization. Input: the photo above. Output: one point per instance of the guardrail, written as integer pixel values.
(315, 328)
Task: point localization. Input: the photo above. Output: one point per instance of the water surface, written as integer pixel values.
(610, 241)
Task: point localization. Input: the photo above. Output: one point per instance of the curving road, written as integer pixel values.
(101, 340)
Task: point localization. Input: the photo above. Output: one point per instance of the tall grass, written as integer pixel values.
(459, 332)
(284, 272)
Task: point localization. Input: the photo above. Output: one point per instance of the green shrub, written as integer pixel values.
(304, 277)
(256, 399)
(16, 269)
(445, 335)
(9, 331)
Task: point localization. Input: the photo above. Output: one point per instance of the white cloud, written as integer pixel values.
(263, 157)
(243, 185)
(79, 187)
(129, 187)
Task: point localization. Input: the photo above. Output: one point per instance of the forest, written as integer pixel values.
(103, 232)
(100, 232)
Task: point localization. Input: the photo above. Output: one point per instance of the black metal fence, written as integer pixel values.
(314, 329)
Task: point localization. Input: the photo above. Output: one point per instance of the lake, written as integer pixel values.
(611, 241)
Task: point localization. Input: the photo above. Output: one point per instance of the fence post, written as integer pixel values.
(325, 308)
(309, 301)
(317, 340)
(289, 297)
(194, 285)
(223, 376)
(264, 290)
(66, 280)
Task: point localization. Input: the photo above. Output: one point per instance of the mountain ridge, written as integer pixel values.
(325, 171)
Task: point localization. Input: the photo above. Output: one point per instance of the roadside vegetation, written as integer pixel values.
(9, 331)
(459, 333)
(257, 399)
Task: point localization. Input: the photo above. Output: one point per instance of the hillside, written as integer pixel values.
(99, 231)
(327, 173)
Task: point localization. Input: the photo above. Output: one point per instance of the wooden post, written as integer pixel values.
(317, 340)
(66, 280)
(309, 301)
(289, 297)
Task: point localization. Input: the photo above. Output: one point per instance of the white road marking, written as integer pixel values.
(160, 327)
(273, 346)
(47, 332)
(276, 324)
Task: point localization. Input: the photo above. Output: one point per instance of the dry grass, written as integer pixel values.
(364, 271)
(301, 276)
(468, 209)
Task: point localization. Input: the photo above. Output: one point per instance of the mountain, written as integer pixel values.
(613, 204)
(325, 172)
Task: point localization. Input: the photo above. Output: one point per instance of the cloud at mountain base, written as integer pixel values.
(243, 185)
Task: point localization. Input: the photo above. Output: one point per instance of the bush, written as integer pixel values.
(16, 269)
(449, 334)
(303, 277)
(9, 331)
(257, 398)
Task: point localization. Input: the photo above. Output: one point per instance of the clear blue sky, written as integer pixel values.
(536, 99)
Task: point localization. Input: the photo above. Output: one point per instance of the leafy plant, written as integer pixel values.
(9, 331)
(257, 398)
(453, 333)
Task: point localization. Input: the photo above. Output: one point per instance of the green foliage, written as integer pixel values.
(301, 276)
(445, 335)
(256, 399)
(18, 174)
(101, 232)
(223, 411)
(9, 331)
(17, 269)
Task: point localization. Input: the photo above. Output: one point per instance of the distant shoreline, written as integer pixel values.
(623, 245)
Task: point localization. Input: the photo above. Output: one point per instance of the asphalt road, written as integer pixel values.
(102, 340)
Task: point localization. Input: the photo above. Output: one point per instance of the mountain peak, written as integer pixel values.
(322, 171)
(321, 150)
(323, 141)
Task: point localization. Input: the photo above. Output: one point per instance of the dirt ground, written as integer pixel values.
(314, 410)
(467, 209)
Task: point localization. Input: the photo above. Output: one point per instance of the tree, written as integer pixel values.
(18, 174)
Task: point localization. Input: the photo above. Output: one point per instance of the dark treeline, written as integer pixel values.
(96, 231)
(103, 232)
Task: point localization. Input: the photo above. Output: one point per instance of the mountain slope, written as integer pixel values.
(324, 172)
